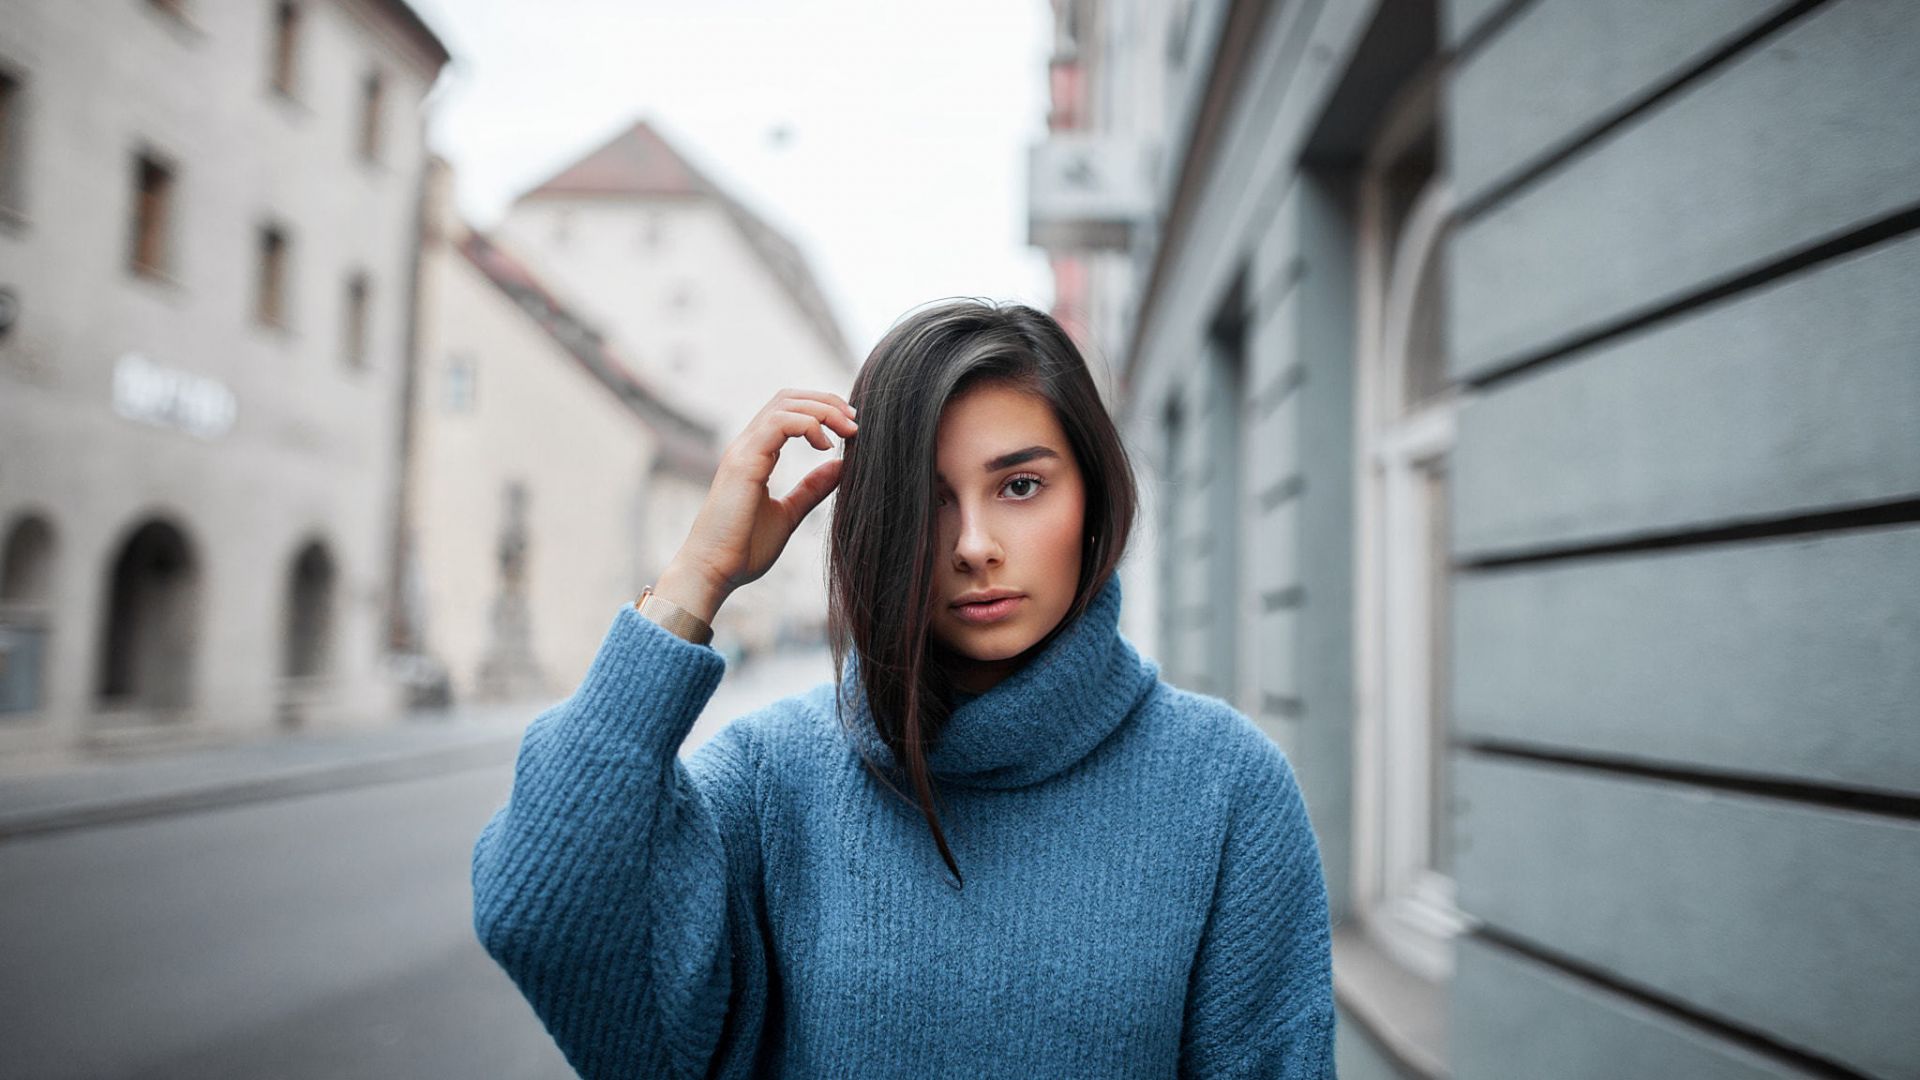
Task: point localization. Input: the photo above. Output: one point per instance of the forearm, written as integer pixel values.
(603, 841)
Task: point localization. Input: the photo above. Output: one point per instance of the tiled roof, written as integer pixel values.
(686, 444)
(639, 163)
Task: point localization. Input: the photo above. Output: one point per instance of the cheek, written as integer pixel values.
(1057, 534)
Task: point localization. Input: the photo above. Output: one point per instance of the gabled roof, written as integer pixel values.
(416, 30)
(638, 163)
(686, 444)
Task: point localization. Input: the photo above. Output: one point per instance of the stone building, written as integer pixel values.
(547, 482)
(1528, 395)
(207, 237)
(711, 305)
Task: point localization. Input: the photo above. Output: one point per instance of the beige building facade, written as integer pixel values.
(207, 238)
(547, 482)
(710, 303)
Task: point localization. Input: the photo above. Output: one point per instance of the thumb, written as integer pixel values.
(811, 489)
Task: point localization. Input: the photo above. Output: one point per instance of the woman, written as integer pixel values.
(997, 845)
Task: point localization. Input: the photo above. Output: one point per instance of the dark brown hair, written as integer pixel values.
(881, 562)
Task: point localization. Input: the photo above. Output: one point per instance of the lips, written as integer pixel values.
(988, 607)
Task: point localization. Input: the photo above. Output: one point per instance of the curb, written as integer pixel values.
(283, 784)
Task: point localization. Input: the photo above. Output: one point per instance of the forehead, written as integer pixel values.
(991, 419)
(991, 423)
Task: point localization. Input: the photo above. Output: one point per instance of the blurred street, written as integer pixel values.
(1518, 395)
(299, 910)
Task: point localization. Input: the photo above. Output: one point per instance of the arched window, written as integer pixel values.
(1405, 426)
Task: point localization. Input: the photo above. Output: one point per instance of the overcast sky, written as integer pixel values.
(888, 138)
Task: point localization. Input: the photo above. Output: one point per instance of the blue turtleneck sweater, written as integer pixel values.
(1142, 895)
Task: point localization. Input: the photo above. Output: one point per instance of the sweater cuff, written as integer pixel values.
(649, 682)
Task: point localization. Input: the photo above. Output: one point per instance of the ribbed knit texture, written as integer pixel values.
(1142, 896)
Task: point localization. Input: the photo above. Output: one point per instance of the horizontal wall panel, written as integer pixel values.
(1273, 442)
(1273, 552)
(1797, 398)
(1580, 62)
(1272, 346)
(1791, 659)
(1276, 656)
(1276, 258)
(1777, 917)
(1812, 133)
(1517, 1017)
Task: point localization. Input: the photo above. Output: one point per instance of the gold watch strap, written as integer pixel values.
(674, 618)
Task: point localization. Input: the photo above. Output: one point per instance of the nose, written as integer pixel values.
(975, 548)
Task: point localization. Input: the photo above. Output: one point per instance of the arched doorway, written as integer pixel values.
(308, 652)
(153, 601)
(26, 583)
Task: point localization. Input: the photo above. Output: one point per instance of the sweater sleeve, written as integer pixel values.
(1260, 1003)
(617, 886)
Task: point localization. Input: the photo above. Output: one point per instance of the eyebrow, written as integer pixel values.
(1009, 460)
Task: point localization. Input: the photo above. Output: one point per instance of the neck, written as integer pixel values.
(979, 676)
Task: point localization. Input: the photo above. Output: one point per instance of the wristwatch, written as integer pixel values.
(674, 618)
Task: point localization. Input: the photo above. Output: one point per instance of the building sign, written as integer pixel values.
(1087, 191)
(152, 394)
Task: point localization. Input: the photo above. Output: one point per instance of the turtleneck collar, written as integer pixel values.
(1037, 722)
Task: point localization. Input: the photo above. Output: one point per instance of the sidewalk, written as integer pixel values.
(427, 743)
(100, 792)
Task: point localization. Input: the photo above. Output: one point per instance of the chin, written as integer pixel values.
(988, 644)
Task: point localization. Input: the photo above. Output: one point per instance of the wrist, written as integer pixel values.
(691, 589)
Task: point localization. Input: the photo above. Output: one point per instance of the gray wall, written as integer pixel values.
(1684, 531)
(1684, 513)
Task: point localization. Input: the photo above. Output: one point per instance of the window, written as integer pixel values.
(1406, 431)
(152, 209)
(355, 332)
(10, 127)
(457, 394)
(372, 93)
(286, 45)
(270, 297)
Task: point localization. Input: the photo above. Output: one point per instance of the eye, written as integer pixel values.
(1022, 487)
(1033, 489)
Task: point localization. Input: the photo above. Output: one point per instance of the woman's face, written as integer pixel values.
(1011, 524)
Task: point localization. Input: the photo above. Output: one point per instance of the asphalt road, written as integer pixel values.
(321, 935)
(326, 935)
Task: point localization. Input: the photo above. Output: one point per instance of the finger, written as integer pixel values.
(763, 438)
(822, 396)
(826, 413)
(792, 424)
(826, 416)
(811, 489)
